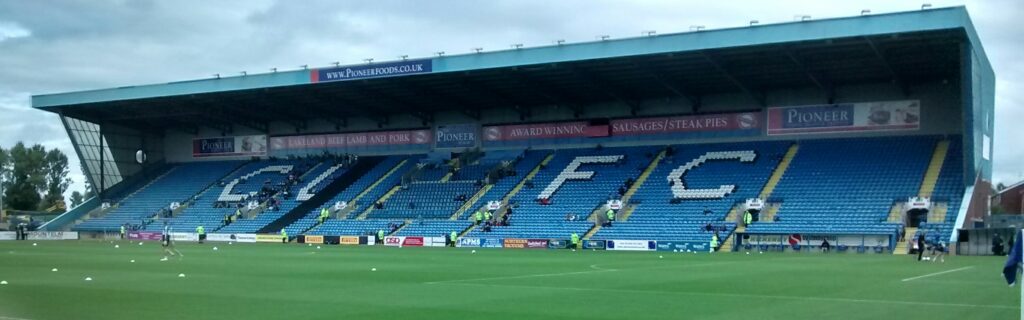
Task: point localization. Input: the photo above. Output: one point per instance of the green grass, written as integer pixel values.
(268, 281)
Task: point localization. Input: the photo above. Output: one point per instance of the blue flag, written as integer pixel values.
(1013, 261)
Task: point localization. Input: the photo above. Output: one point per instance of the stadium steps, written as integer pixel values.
(768, 215)
(903, 247)
(346, 179)
(638, 183)
(447, 177)
(726, 245)
(592, 231)
(375, 183)
(934, 168)
(938, 212)
(734, 214)
(780, 170)
(383, 199)
(626, 212)
(896, 213)
(404, 224)
(529, 176)
(472, 201)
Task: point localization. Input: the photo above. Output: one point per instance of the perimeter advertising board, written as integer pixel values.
(253, 145)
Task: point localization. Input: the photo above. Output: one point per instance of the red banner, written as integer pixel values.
(576, 129)
(357, 139)
(412, 242)
(712, 122)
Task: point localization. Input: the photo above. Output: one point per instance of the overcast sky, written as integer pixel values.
(59, 46)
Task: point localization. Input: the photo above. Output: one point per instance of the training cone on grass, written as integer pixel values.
(88, 278)
(4, 282)
(117, 246)
(181, 275)
(54, 269)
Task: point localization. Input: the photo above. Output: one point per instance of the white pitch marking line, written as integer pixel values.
(12, 318)
(937, 273)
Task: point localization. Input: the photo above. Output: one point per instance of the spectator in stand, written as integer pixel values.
(825, 246)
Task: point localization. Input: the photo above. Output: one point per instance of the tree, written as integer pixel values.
(77, 199)
(57, 181)
(27, 177)
(1000, 186)
(5, 171)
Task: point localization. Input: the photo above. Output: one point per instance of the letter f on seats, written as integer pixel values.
(570, 172)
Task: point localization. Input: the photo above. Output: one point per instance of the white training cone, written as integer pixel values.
(231, 243)
(309, 244)
(661, 257)
(133, 261)
(373, 269)
(214, 248)
(88, 279)
(34, 244)
(474, 251)
(54, 270)
(181, 275)
(318, 247)
(3, 282)
(140, 243)
(117, 246)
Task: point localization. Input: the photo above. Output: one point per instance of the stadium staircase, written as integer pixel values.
(472, 200)
(931, 177)
(903, 247)
(373, 186)
(624, 216)
(780, 170)
(383, 199)
(321, 197)
(519, 186)
(404, 224)
(735, 214)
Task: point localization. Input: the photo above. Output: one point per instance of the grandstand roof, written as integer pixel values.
(903, 48)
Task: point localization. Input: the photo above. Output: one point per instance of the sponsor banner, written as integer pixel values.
(232, 237)
(268, 238)
(537, 243)
(577, 129)
(594, 244)
(492, 243)
(434, 242)
(349, 240)
(514, 243)
(8, 235)
(254, 145)
(456, 136)
(370, 240)
(393, 241)
(682, 246)
(375, 70)
(357, 139)
(632, 245)
(711, 122)
(315, 239)
(52, 235)
(412, 242)
(468, 242)
(144, 236)
(845, 117)
(185, 236)
(558, 244)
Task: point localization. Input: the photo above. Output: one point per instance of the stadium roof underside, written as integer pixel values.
(900, 48)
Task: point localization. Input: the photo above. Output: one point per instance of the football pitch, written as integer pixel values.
(277, 281)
